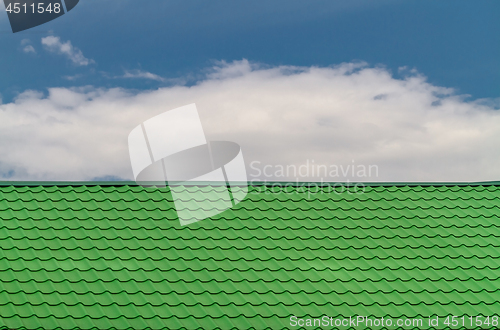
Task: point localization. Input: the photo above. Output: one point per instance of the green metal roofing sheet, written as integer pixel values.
(104, 256)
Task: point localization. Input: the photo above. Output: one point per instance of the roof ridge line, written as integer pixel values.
(252, 183)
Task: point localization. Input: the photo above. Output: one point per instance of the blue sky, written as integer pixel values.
(290, 81)
(454, 43)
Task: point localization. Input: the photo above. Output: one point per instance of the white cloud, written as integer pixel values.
(410, 129)
(29, 49)
(53, 44)
(139, 74)
(73, 77)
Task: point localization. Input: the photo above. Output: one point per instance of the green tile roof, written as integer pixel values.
(114, 256)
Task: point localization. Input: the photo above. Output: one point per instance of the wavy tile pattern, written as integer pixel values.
(100, 256)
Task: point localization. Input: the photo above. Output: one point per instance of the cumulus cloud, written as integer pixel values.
(139, 74)
(350, 114)
(29, 49)
(54, 45)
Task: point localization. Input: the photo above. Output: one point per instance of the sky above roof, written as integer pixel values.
(430, 69)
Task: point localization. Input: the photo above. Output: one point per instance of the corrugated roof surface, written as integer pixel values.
(116, 257)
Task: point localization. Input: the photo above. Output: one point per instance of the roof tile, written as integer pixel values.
(104, 256)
